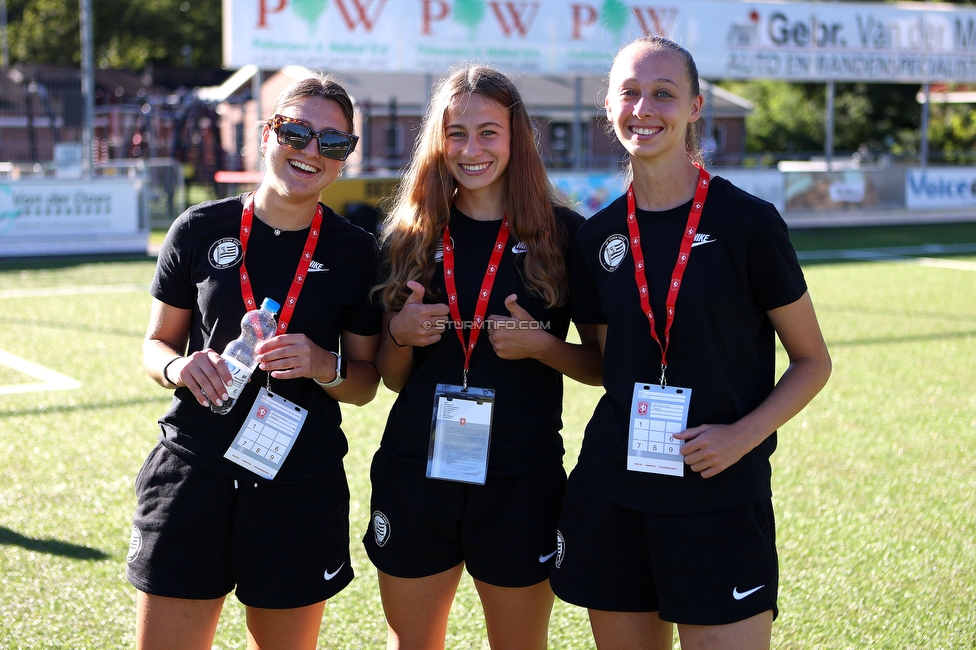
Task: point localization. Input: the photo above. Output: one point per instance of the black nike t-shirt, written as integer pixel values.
(527, 416)
(722, 343)
(199, 269)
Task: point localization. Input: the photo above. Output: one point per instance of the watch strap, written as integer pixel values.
(340, 373)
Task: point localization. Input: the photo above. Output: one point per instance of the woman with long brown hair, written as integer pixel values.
(477, 302)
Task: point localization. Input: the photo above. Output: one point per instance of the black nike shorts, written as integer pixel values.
(711, 568)
(504, 531)
(197, 535)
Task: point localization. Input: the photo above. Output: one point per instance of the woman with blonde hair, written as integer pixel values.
(476, 304)
(668, 517)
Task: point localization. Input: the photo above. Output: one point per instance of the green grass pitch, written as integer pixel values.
(874, 482)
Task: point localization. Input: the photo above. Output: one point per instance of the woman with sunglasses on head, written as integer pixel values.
(469, 471)
(216, 512)
(688, 280)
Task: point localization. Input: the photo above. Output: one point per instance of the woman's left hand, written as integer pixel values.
(712, 448)
(518, 336)
(289, 356)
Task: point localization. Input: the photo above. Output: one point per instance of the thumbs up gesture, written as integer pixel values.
(517, 336)
(416, 293)
(418, 323)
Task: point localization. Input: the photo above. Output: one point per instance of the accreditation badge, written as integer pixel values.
(656, 414)
(460, 434)
(268, 434)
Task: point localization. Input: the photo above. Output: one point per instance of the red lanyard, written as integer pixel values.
(684, 252)
(482, 306)
(300, 273)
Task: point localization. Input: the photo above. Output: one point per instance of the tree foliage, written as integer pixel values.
(126, 35)
(786, 117)
(952, 132)
(872, 118)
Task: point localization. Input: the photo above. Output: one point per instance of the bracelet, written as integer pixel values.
(393, 338)
(166, 367)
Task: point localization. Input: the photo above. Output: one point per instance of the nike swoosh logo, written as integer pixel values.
(319, 270)
(545, 558)
(739, 595)
(701, 243)
(329, 576)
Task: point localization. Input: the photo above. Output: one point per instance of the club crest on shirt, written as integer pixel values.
(225, 253)
(439, 251)
(613, 251)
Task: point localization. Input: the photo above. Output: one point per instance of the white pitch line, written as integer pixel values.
(73, 291)
(945, 264)
(887, 254)
(52, 380)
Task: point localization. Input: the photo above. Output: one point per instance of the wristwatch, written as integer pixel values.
(340, 373)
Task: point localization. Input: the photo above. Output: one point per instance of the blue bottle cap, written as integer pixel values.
(270, 305)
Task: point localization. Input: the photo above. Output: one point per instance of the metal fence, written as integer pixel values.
(41, 111)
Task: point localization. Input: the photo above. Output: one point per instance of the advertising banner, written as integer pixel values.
(429, 36)
(588, 193)
(767, 184)
(41, 217)
(800, 41)
(940, 187)
(818, 41)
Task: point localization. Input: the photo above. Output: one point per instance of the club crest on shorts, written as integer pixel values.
(381, 528)
(560, 548)
(135, 545)
(225, 253)
(613, 251)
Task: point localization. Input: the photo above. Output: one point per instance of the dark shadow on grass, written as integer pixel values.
(869, 254)
(896, 340)
(917, 315)
(163, 399)
(50, 546)
(69, 261)
(78, 327)
(828, 258)
(873, 236)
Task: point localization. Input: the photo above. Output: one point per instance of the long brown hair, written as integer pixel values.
(422, 204)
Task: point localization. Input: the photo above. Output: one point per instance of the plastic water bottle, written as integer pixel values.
(256, 326)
